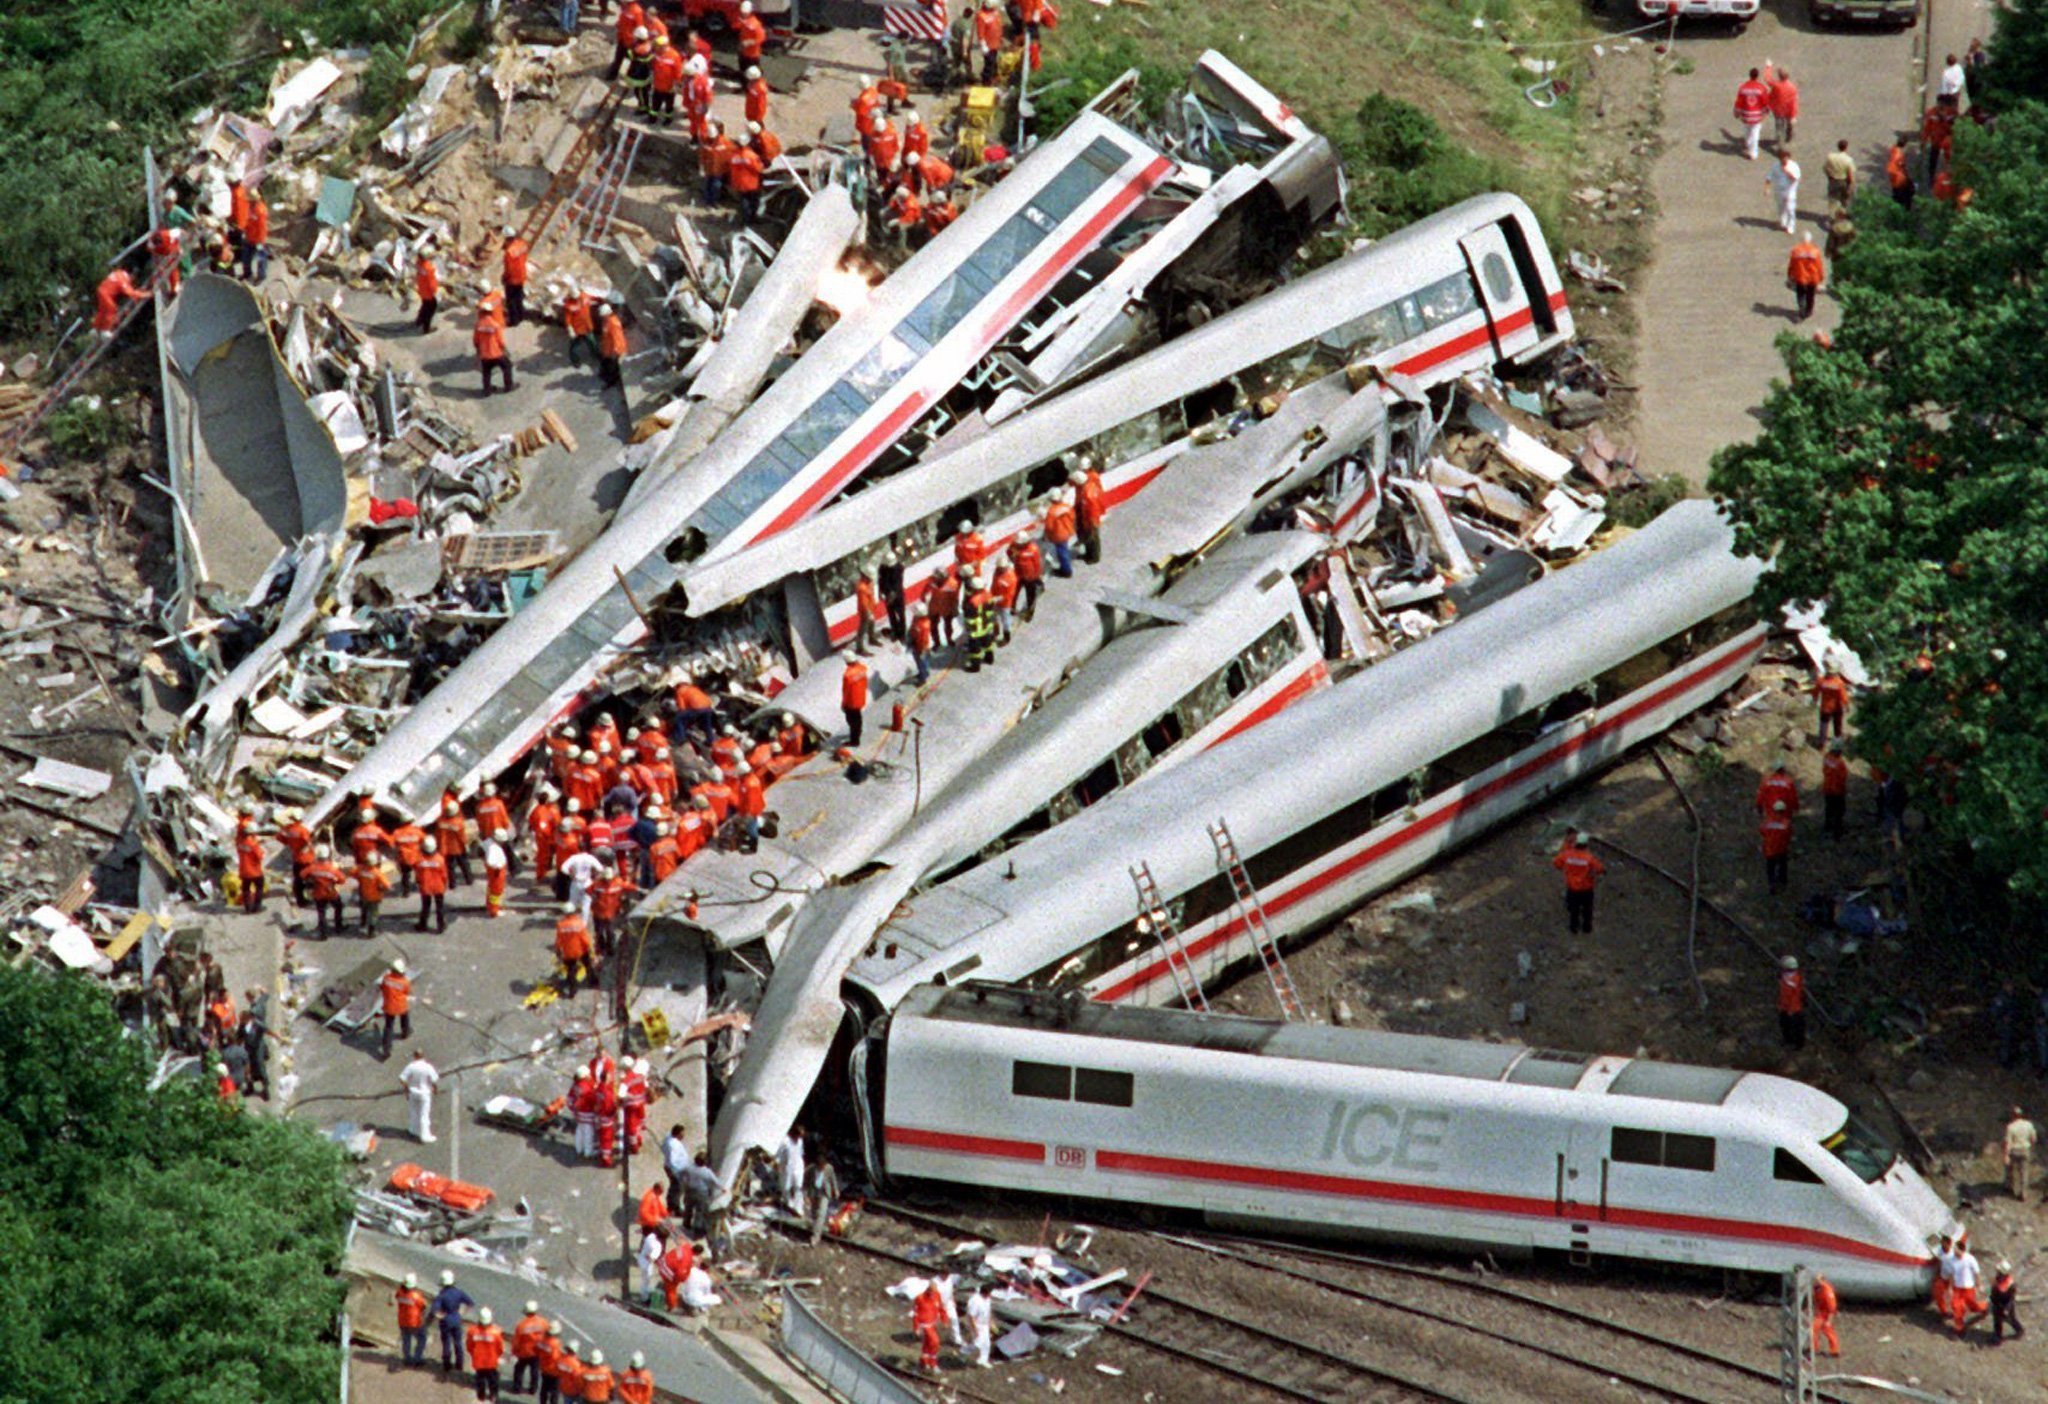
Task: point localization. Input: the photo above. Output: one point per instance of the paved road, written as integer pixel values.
(1715, 298)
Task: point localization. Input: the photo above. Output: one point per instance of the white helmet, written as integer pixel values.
(510, 231)
(788, 719)
(533, 1308)
(1790, 962)
(909, 115)
(447, 1278)
(398, 966)
(412, 1280)
(639, 1360)
(490, 789)
(588, 758)
(967, 525)
(742, 768)
(752, 73)
(640, 31)
(597, 1357)
(641, 1065)
(430, 846)
(503, 835)
(321, 850)
(575, 806)
(484, 1315)
(568, 909)
(583, 1071)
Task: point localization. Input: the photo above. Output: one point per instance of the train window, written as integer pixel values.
(1163, 735)
(1498, 280)
(1859, 1147)
(1047, 1080)
(1447, 299)
(1673, 1150)
(1104, 1089)
(1096, 783)
(1683, 1152)
(1787, 1166)
(1629, 1146)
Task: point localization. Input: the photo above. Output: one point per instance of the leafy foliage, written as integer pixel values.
(1074, 74)
(1903, 477)
(1406, 167)
(2019, 56)
(84, 428)
(159, 1248)
(86, 84)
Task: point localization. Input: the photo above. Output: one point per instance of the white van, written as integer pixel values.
(1738, 12)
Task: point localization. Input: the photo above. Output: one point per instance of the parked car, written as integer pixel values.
(1898, 14)
(1738, 12)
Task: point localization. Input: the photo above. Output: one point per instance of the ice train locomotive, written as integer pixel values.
(1424, 1140)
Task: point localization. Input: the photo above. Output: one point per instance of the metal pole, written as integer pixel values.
(454, 1127)
(916, 763)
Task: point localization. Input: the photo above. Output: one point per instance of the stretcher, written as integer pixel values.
(422, 1184)
(354, 999)
(518, 1114)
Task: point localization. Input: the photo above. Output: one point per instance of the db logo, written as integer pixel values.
(1070, 1157)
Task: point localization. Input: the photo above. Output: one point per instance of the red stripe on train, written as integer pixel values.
(963, 1145)
(994, 326)
(1733, 652)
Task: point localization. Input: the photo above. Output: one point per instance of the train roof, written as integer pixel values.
(1013, 1007)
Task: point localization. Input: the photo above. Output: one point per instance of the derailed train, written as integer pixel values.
(1429, 1141)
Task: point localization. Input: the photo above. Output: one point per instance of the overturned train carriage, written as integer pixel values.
(1431, 1141)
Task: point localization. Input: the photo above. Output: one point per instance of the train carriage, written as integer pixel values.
(1430, 1141)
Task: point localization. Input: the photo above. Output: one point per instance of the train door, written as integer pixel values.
(1581, 1193)
(1502, 294)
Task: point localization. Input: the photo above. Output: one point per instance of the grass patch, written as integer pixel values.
(1409, 78)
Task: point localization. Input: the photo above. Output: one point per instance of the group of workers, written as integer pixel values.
(908, 183)
(1958, 1293)
(972, 603)
(546, 1362)
(238, 246)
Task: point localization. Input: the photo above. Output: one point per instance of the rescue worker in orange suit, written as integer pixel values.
(751, 34)
(432, 872)
(906, 214)
(411, 1303)
(611, 347)
(1898, 176)
(1804, 273)
(547, 1364)
(938, 216)
(714, 159)
(568, 1375)
(394, 992)
(1825, 1306)
(988, 39)
(675, 1267)
(252, 260)
(925, 1315)
(698, 92)
(754, 96)
(1582, 870)
(1944, 1271)
(372, 887)
(608, 1121)
(1775, 834)
(631, 18)
(323, 889)
(1965, 1298)
(1059, 532)
(527, 1336)
(515, 270)
(572, 946)
(451, 831)
(1834, 791)
(1777, 787)
(765, 143)
(407, 842)
(298, 841)
(868, 611)
(1831, 691)
(636, 1382)
(596, 1380)
(114, 289)
(249, 869)
(489, 340)
(486, 1342)
(166, 252)
(746, 183)
(853, 698)
(1791, 1004)
(664, 81)
(426, 281)
(1091, 505)
(1030, 564)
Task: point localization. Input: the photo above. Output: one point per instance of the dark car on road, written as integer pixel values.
(1890, 14)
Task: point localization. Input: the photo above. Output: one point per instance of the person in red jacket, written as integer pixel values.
(746, 182)
(1805, 272)
(1582, 869)
(1752, 104)
(988, 40)
(486, 1342)
(667, 81)
(1791, 1004)
(323, 889)
(372, 887)
(853, 698)
(298, 841)
(1776, 834)
(754, 97)
(394, 995)
(925, 1315)
(611, 347)
(750, 33)
(1834, 790)
(426, 281)
(751, 800)
(411, 1303)
(249, 869)
(1002, 588)
(636, 1381)
(489, 340)
(1831, 690)
(868, 611)
(515, 267)
(1825, 1309)
(1030, 564)
(114, 289)
(252, 260)
(1091, 505)
(1784, 107)
(431, 872)
(1777, 787)
(451, 831)
(631, 17)
(607, 900)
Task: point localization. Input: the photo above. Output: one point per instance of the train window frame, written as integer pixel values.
(1668, 1150)
(1852, 1145)
(1038, 1080)
(1640, 1148)
(1104, 1087)
(1788, 1168)
(1685, 1151)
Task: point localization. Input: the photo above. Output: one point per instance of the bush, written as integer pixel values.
(84, 429)
(1089, 70)
(1405, 167)
(382, 88)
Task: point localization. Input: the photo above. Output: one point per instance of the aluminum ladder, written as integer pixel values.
(19, 431)
(570, 176)
(598, 200)
(1253, 914)
(1153, 912)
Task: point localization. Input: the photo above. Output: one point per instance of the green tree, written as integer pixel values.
(1902, 477)
(159, 1248)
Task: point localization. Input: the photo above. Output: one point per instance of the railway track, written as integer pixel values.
(1283, 1367)
(1293, 1369)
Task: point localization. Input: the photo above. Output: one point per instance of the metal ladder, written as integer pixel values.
(570, 177)
(1152, 911)
(1250, 911)
(598, 200)
(19, 431)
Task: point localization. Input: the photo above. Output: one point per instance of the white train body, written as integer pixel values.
(1430, 1141)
